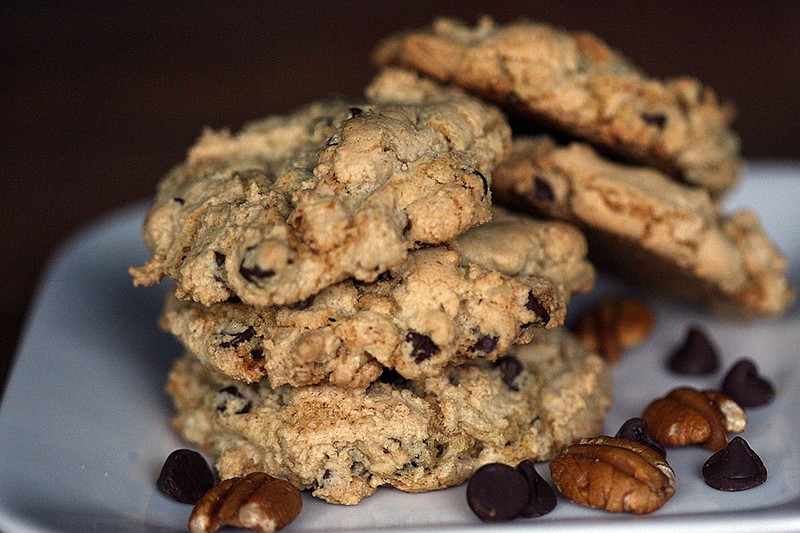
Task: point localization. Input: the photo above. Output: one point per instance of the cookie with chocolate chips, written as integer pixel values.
(415, 435)
(646, 227)
(575, 83)
(491, 288)
(295, 203)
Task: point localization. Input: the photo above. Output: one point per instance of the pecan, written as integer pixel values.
(614, 326)
(614, 474)
(688, 416)
(257, 501)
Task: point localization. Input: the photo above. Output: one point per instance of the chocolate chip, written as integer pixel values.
(251, 274)
(185, 476)
(392, 377)
(735, 468)
(659, 120)
(257, 354)
(542, 498)
(636, 429)
(239, 338)
(422, 346)
(697, 355)
(231, 394)
(745, 386)
(485, 344)
(542, 191)
(535, 306)
(356, 112)
(233, 300)
(219, 258)
(510, 367)
(179, 200)
(485, 181)
(497, 492)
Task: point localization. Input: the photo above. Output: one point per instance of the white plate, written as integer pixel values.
(84, 424)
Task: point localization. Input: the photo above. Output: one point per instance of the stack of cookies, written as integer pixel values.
(356, 312)
(636, 163)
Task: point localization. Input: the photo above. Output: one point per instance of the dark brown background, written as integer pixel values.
(97, 103)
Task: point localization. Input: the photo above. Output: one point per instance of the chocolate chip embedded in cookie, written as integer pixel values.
(295, 203)
(648, 228)
(491, 288)
(576, 83)
(415, 435)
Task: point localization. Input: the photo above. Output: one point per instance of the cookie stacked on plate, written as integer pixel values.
(638, 164)
(355, 311)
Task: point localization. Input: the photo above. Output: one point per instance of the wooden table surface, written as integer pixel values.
(98, 103)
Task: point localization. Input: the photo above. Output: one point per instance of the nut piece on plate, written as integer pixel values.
(614, 474)
(688, 416)
(257, 501)
(614, 326)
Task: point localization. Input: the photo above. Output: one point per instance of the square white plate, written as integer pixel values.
(84, 423)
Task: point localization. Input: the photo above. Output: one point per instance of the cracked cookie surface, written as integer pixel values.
(415, 435)
(649, 228)
(576, 83)
(489, 289)
(295, 203)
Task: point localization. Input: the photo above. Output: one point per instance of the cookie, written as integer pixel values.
(646, 227)
(474, 298)
(416, 435)
(295, 203)
(577, 84)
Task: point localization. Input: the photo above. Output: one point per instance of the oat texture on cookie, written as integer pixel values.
(476, 297)
(575, 83)
(295, 203)
(415, 435)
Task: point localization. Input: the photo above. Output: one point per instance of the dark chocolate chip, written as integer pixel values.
(542, 498)
(257, 354)
(239, 338)
(535, 306)
(510, 367)
(696, 356)
(636, 429)
(219, 258)
(229, 394)
(745, 386)
(485, 344)
(185, 476)
(497, 492)
(251, 274)
(735, 468)
(356, 112)
(542, 191)
(659, 120)
(179, 200)
(392, 377)
(422, 346)
(485, 181)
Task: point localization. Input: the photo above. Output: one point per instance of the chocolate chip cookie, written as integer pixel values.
(491, 288)
(415, 435)
(647, 227)
(292, 204)
(577, 84)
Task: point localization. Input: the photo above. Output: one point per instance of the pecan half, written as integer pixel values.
(257, 501)
(614, 474)
(688, 416)
(614, 326)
